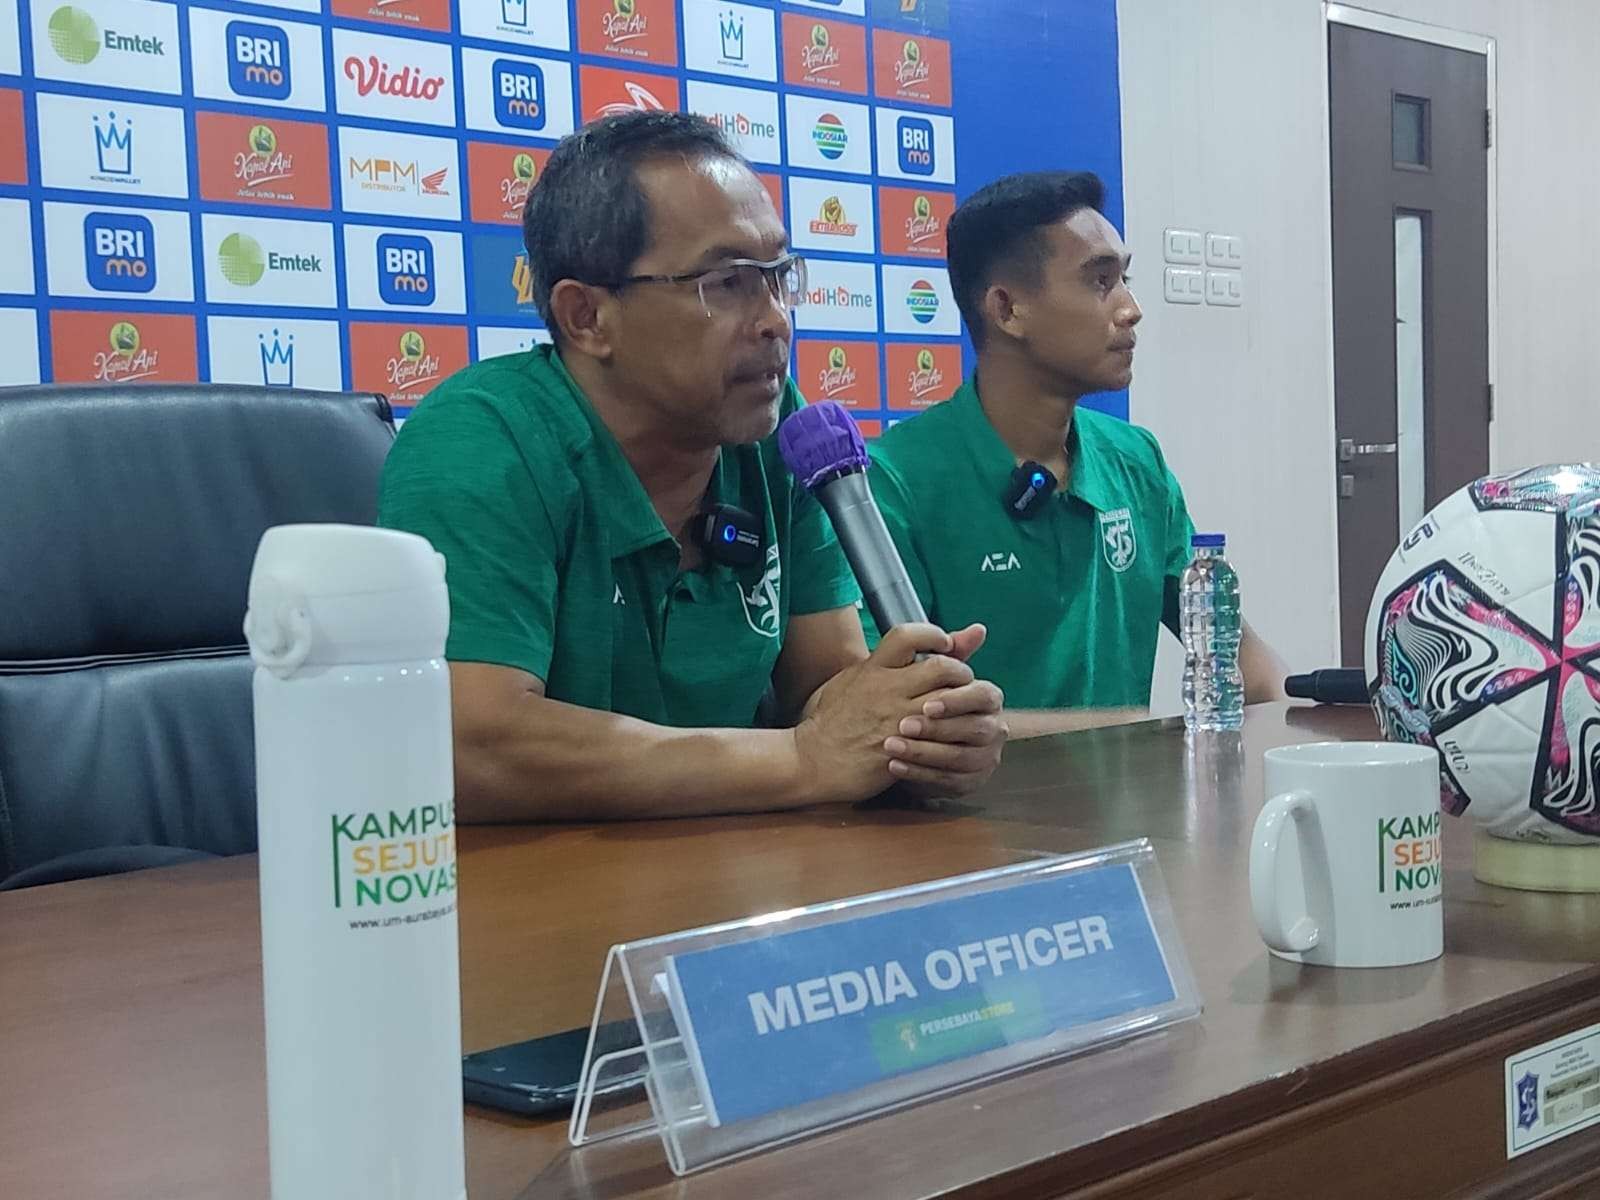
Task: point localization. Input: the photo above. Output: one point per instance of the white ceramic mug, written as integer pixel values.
(1346, 857)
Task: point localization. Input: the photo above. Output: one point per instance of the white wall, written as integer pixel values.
(1225, 130)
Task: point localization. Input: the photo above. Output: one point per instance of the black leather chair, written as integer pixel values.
(130, 523)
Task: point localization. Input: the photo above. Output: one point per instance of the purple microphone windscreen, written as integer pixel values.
(821, 441)
(823, 449)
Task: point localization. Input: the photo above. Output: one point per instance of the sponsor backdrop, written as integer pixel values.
(326, 193)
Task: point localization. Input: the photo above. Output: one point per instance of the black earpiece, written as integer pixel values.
(1030, 487)
(729, 535)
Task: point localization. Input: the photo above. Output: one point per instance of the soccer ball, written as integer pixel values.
(1483, 641)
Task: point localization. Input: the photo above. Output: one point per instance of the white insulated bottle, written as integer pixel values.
(355, 804)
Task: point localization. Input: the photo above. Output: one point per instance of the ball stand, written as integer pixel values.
(1535, 866)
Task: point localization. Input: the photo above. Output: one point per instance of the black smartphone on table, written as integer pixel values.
(539, 1077)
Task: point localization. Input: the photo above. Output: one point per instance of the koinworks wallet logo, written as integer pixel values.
(113, 145)
(405, 269)
(915, 138)
(518, 94)
(119, 252)
(258, 60)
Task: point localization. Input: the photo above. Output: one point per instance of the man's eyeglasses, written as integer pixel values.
(738, 286)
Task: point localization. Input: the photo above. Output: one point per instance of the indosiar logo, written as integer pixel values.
(405, 270)
(518, 94)
(831, 136)
(258, 60)
(914, 135)
(923, 301)
(119, 252)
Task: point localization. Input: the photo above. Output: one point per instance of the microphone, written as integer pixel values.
(823, 448)
(1333, 685)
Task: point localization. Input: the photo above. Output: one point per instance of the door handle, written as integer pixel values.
(1350, 449)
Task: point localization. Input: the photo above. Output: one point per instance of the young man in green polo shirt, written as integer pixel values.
(603, 661)
(1074, 588)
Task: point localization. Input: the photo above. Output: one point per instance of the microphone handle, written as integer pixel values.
(1332, 685)
(885, 586)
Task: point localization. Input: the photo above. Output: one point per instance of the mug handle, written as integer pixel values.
(1300, 933)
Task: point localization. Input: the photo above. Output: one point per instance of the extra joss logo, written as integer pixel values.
(832, 221)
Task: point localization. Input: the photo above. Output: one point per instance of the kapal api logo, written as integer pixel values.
(261, 162)
(624, 22)
(838, 376)
(922, 225)
(413, 367)
(128, 359)
(925, 378)
(820, 54)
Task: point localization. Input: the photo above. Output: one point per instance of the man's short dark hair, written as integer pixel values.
(1001, 226)
(586, 217)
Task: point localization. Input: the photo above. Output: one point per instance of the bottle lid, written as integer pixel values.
(1209, 541)
(324, 595)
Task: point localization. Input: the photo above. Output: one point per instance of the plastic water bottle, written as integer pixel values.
(355, 803)
(1213, 685)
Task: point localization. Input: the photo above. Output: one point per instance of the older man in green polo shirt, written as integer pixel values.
(606, 659)
(1075, 587)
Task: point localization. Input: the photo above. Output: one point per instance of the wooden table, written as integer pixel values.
(131, 1061)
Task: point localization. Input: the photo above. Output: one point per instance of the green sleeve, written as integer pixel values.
(899, 516)
(455, 476)
(823, 579)
(1177, 552)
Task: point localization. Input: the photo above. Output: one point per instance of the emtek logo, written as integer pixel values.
(258, 60)
(831, 137)
(405, 269)
(119, 251)
(76, 39)
(518, 94)
(915, 137)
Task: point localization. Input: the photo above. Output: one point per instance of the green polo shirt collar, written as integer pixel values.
(1088, 482)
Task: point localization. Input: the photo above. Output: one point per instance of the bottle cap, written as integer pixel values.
(329, 595)
(1208, 541)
